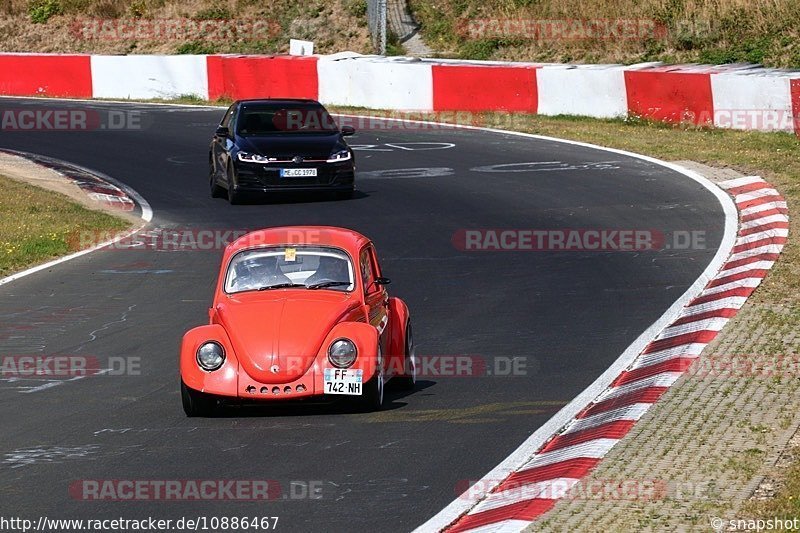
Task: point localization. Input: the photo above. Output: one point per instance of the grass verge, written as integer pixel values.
(39, 225)
(723, 31)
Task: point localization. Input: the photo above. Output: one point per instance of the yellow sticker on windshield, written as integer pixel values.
(290, 254)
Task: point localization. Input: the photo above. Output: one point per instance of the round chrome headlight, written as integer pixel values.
(210, 356)
(342, 353)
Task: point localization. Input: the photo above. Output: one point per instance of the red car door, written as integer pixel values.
(375, 296)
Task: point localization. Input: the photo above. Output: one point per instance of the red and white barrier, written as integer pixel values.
(752, 102)
(670, 94)
(242, 77)
(734, 96)
(148, 76)
(590, 90)
(466, 87)
(67, 76)
(377, 84)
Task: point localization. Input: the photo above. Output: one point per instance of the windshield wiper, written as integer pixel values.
(280, 286)
(325, 284)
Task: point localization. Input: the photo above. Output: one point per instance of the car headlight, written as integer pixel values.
(341, 155)
(210, 356)
(342, 353)
(252, 158)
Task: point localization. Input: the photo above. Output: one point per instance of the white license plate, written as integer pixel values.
(298, 172)
(343, 381)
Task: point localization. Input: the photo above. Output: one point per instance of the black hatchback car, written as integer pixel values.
(263, 146)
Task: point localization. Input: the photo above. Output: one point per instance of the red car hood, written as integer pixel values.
(277, 336)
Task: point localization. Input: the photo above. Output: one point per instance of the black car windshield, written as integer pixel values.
(268, 118)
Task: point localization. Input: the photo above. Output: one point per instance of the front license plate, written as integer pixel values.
(343, 381)
(298, 172)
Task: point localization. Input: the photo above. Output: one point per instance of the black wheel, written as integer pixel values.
(216, 190)
(234, 196)
(195, 403)
(372, 399)
(409, 378)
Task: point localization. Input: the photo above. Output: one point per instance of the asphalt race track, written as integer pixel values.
(566, 314)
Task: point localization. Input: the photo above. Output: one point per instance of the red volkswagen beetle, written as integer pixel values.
(298, 312)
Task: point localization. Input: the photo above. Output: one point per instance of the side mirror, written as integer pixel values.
(222, 131)
(348, 131)
(382, 281)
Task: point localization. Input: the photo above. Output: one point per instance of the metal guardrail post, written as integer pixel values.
(376, 19)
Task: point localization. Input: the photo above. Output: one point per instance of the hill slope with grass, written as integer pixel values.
(174, 26)
(705, 31)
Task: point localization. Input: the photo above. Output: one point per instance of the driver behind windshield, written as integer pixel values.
(261, 272)
(329, 269)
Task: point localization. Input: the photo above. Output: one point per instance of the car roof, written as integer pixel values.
(344, 238)
(278, 101)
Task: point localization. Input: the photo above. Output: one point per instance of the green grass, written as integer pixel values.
(786, 505)
(723, 31)
(38, 225)
(249, 26)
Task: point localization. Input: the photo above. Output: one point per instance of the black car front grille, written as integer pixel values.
(268, 176)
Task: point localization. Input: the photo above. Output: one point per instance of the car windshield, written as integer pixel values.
(306, 267)
(265, 119)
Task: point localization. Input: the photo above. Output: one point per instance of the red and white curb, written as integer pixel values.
(533, 488)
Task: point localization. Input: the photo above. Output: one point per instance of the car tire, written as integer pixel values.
(372, 400)
(195, 403)
(216, 190)
(408, 380)
(234, 196)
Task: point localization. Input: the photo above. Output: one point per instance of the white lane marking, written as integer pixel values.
(552, 489)
(763, 221)
(731, 302)
(547, 166)
(161, 271)
(594, 449)
(755, 265)
(740, 284)
(686, 350)
(738, 182)
(47, 454)
(764, 207)
(421, 146)
(629, 412)
(754, 195)
(766, 234)
(399, 173)
(56, 383)
(664, 379)
(408, 147)
(707, 324)
(93, 334)
(505, 526)
(764, 249)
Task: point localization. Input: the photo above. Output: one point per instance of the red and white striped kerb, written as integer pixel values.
(529, 492)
